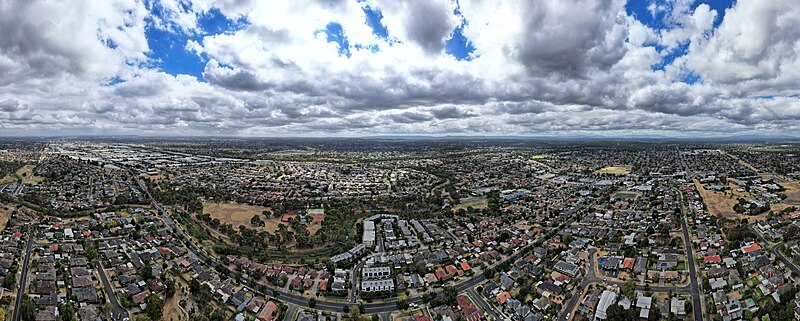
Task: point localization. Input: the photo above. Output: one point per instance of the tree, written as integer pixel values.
(146, 272)
(65, 312)
(628, 288)
(402, 305)
(27, 311)
(255, 220)
(617, 313)
(450, 294)
(312, 302)
(141, 317)
(155, 306)
(170, 291)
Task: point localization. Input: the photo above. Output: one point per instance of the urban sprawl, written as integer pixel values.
(401, 230)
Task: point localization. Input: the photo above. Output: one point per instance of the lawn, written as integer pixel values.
(26, 174)
(625, 195)
(614, 170)
(475, 203)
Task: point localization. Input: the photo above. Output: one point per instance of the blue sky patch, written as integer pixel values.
(640, 9)
(169, 52)
(113, 81)
(374, 18)
(168, 48)
(671, 56)
(458, 45)
(690, 78)
(335, 33)
(215, 22)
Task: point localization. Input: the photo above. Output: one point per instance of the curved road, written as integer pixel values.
(592, 278)
(773, 247)
(691, 288)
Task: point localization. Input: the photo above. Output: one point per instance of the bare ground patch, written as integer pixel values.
(5, 214)
(614, 170)
(240, 214)
(172, 310)
(721, 203)
(792, 192)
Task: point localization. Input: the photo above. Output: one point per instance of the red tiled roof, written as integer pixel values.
(751, 248)
(502, 297)
(628, 263)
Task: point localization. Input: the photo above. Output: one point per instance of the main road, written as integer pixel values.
(23, 281)
(697, 307)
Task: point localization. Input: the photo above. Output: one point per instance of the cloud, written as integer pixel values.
(757, 42)
(569, 38)
(537, 67)
(451, 112)
(410, 117)
(425, 23)
(9, 105)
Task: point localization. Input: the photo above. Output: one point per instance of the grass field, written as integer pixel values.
(721, 203)
(240, 214)
(7, 179)
(26, 174)
(524, 226)
(614, 170)
(718, 203)
(792, 192)
(171, 309)
(5, 214)
(475, 203)
(625, 195)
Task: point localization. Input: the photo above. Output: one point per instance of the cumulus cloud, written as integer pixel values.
(545, 66)
(9, 105)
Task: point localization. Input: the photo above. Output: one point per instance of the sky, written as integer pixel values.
(399, 67)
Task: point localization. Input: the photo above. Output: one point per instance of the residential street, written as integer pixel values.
(23, 281)
(118, 312)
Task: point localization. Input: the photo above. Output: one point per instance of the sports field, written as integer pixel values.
(614, 170)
